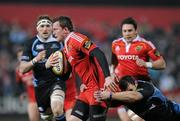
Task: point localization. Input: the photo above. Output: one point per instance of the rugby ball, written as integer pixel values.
(62, 66)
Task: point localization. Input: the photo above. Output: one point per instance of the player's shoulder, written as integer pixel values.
(118, 40)
(78, 36)
(30, 41)
(145, 42)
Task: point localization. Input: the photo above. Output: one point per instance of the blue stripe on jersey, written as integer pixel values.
(34, 53)
(158, 94)
(35, 82)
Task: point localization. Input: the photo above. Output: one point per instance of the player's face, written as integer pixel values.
(44, 30)
(58, 32)
(129, 32)
(131, 87)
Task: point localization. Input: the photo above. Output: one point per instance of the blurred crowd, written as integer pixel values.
(167, 40)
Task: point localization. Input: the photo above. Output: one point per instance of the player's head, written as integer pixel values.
(62, 26)
(129, 29)
(127, 83)
(44, 26)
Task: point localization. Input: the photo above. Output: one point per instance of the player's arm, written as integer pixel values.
(26, 66)
(126, 96)
(157, 64)
(156, 60)
(99, 55)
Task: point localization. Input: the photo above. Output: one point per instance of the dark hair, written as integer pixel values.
(64, 21)
(129, 20)
(43, 17)
(124, 81)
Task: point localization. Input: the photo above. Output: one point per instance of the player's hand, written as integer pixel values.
(83, 87)
(41, 56)
(101, 95)
(140, 62)
(110, 84)
(52, 61)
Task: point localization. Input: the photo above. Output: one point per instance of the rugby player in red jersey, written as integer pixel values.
(89, 62)
(27, 79)
(133, 55)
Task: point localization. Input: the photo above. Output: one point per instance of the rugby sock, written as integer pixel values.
(61, 118)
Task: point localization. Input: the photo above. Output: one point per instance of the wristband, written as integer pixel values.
(148, 64)
(34, 61)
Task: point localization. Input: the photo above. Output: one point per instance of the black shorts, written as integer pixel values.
(44, 92)
(84, 111)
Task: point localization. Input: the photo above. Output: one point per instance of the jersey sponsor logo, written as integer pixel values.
(54, 46)
(127, 57)
(87, 44)
(138, 48)
(40, 47)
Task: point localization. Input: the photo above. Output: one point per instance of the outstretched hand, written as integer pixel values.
(101, 95)
(110, 84)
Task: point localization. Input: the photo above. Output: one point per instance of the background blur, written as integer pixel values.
(159, 22)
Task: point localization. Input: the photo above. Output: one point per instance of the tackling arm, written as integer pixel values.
(127, 96)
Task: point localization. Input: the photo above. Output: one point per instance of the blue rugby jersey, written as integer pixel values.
(31, 50)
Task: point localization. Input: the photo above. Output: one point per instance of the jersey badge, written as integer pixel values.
(157, 53)
(87, 44)
(138, 48)
(54, 46)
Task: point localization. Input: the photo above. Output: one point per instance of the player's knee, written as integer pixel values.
(57, 102)
(46, 117)
(57, 109)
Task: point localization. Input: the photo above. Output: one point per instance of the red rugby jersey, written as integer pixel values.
(127, 53)
(77, 48)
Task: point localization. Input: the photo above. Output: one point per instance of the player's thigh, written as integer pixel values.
(33, 111)
(80, 111)
(97, 113)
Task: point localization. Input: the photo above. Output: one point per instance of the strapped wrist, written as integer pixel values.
(34, 61)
